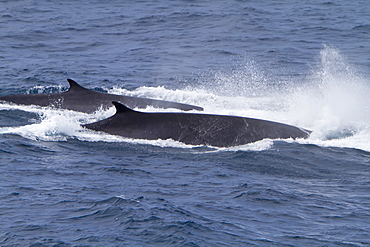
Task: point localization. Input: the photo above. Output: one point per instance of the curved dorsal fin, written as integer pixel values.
(75, 86)
(121, 108)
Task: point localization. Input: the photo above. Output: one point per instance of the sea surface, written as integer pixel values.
(305, 63)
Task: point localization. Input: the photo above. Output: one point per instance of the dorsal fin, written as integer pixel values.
(121, 108)
(75, 86)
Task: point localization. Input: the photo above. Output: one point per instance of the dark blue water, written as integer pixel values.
(302, 63)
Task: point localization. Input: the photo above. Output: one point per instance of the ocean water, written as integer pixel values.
(304, 63)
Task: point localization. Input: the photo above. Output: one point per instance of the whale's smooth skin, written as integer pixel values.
(81, 99)
(193, 128)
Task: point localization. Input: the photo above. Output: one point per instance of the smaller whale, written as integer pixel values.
(193, 128)
(81, 99)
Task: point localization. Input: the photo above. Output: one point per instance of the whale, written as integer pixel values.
(193, 128)
(81, 99)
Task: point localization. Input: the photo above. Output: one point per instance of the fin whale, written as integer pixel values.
(194, 128)
(81, 99)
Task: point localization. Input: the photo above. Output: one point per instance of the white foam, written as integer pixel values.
(53, 125)
(256, 146)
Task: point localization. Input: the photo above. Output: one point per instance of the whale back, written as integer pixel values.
(193, 128)
(78, 98)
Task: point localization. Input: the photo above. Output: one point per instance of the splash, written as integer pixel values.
(334, 102)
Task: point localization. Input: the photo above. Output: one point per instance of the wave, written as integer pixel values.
(332, 101)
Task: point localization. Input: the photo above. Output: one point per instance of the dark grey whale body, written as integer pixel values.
(192, 128)
(81, 99)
